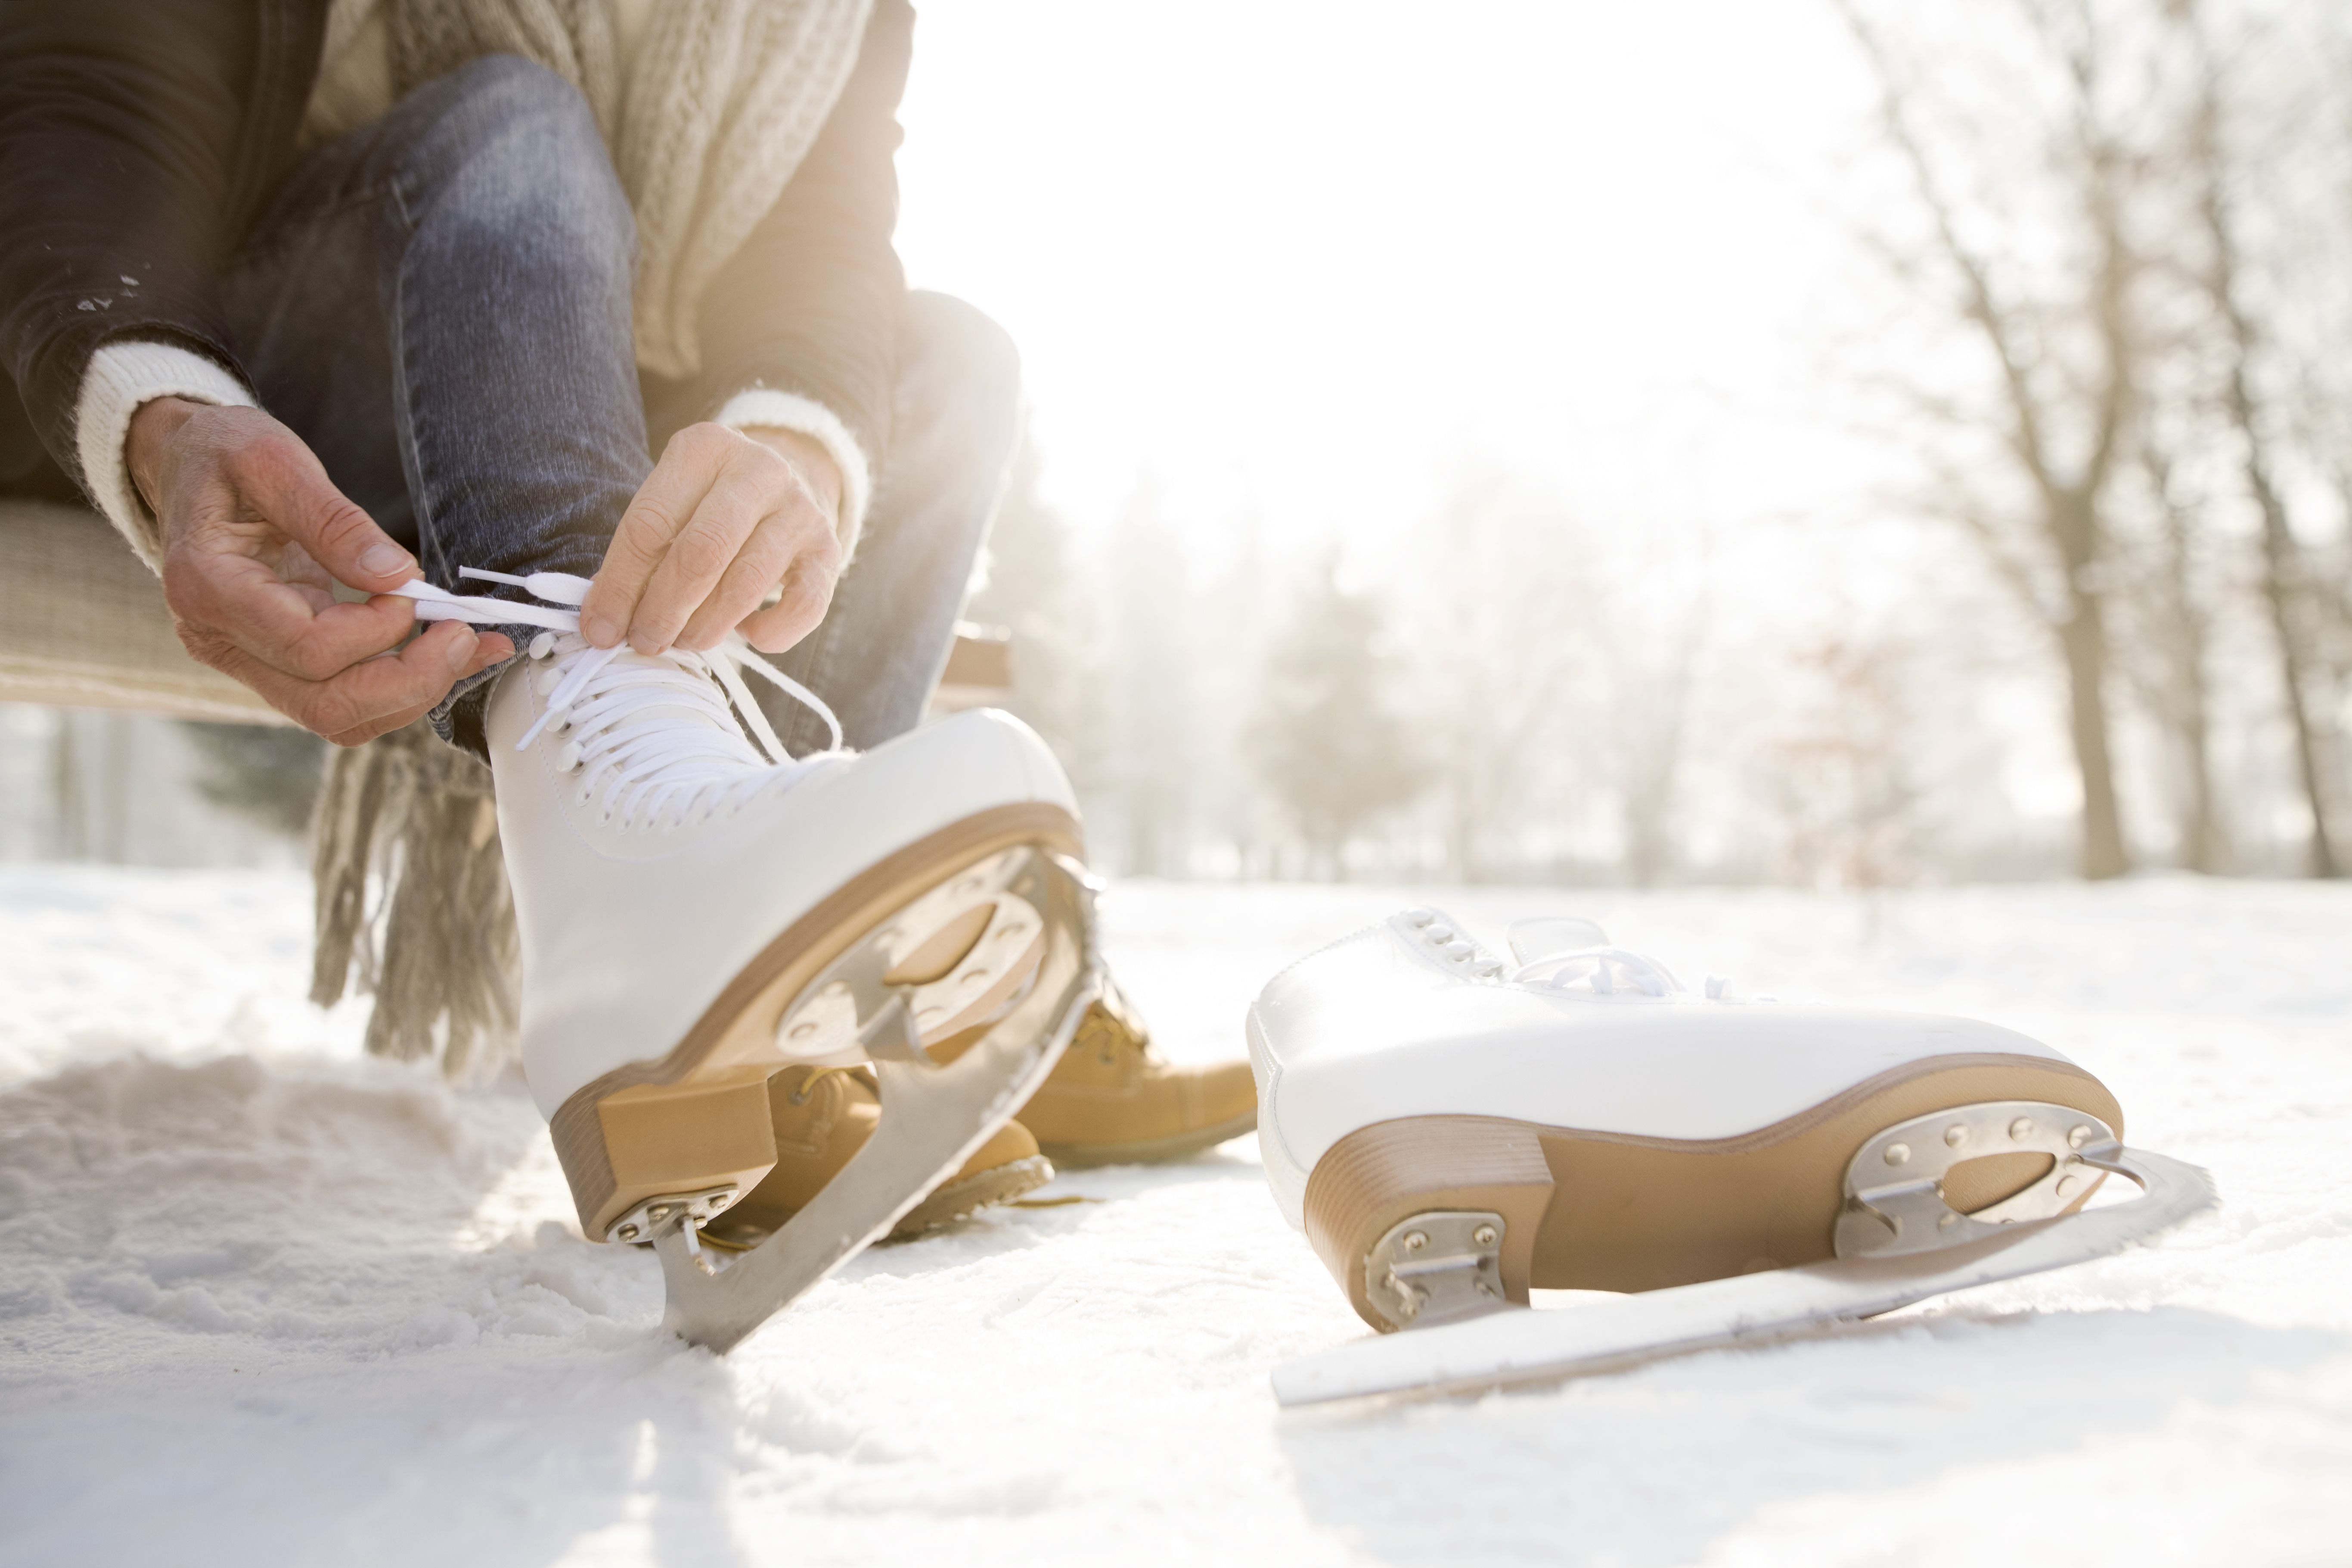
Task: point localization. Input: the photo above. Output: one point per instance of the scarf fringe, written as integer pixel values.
(412, 818)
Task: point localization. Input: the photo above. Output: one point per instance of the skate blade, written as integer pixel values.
(1521, 1345)
(934, 1118)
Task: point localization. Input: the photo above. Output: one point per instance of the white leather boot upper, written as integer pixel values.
(1410, 1017)
(654, 852)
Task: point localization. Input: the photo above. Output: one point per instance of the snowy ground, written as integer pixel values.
(264, 1302)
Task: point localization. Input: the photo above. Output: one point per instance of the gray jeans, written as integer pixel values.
(438, 303)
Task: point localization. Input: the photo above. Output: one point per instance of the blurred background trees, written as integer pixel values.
(2102, 341)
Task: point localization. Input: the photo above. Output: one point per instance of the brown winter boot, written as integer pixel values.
(821, 1117)
(1112, 1101)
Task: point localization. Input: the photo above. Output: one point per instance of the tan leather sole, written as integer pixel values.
(954, 1200)
(1602, 1211)
(1143, 1151)
(696, 1116)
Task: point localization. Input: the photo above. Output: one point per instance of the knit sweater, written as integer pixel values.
(709, 107)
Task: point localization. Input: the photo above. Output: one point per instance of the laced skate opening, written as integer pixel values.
(646, 771)
(1604, 971)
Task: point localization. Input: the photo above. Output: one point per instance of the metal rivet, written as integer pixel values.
(1948, 1221)
(802, 1030)
(972, 977)
(628, 1233)
(2066, 1185)
(835, 991)
(1415, 1240)
(930, 1015)
(2078, 1138)
(720, 1201)
(2020, 1130)
(1896, 1154)
(1956, 1134)
(1484, 1235)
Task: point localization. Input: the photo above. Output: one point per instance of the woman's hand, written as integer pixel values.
(724, 518)
(255, 536)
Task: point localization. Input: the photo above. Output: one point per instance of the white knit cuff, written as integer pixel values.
(764, 406)
(121, 377)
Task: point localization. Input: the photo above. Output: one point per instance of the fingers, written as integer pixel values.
(251, 528)
(721, 520)
(292, 628)
(256, 536)
(664, 505)
(808, 593)
(373, 695)
(282, 480)
(795, 547)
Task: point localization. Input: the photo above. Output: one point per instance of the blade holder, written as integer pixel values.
(658, 1213)
(1894, 1183)
(1438, 1267)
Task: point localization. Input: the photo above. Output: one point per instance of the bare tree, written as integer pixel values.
(1326, 736)
(1841, 767)
(2286, 594)
(2176, 684)
(2061, 398)
(1506, 606)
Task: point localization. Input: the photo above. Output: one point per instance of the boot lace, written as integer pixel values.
(685, 765)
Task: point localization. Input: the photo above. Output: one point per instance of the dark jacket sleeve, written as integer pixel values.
(811, 303)
(136, 137)
(118, 128)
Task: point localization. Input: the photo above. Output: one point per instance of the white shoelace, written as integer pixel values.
(1599, 969)
(689, 771)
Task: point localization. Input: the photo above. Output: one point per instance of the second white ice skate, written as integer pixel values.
(1452, 1130)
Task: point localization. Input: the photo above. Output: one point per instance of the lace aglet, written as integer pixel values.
(554, 588)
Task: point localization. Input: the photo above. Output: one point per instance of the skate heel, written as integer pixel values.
(1430, 1217)
(708, 1135)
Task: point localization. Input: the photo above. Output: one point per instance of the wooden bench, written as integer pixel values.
(83, 625)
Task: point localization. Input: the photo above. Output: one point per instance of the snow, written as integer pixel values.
(262, 1301)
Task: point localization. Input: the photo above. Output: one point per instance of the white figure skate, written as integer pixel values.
(1451, 1130)
(696, 916)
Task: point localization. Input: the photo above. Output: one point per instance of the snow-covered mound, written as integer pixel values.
(263, 1302)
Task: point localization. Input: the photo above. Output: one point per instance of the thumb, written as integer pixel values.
(289, 487)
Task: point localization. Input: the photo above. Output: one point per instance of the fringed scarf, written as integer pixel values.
(409, 819)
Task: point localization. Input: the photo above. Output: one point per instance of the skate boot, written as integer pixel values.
(699, 911)
(1111, 1099)
(1451, 1130)
(821, 1117)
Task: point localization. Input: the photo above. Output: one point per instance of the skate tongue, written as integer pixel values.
(1549, 934)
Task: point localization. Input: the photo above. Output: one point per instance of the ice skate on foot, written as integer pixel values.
(1451, 1130)
(699, 911)
(1112, 1099)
